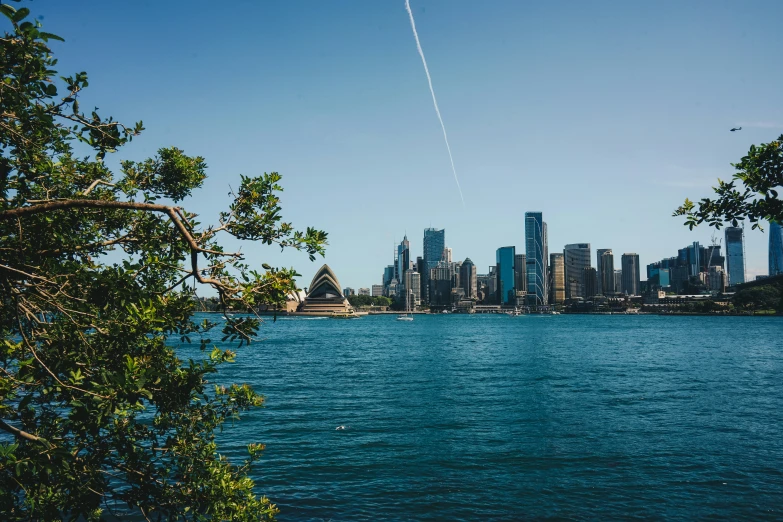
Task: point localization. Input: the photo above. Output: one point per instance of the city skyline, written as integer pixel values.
(635, 102)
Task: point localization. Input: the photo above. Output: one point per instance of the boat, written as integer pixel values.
(405, 317)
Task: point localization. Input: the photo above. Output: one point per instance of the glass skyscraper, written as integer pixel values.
(735, 255)
(434, 243)
(505, 275)
(775, 248)
(535, 252)
(577, 258)
(631, 274)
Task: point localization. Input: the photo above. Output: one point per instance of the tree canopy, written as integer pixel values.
(761, 175)
(98, 415)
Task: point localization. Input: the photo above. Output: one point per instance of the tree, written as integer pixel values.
(97, 412)
(761, 174)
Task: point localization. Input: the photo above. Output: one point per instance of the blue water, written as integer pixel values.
(505, 418)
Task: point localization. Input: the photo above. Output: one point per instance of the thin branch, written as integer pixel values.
(16, 432)
(95, 184)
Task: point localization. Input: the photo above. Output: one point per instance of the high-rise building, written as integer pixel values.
(591, 282)
(363, 291)
(715, 279)
(403, 259)
(535, 248)
(599, 267)
(412, 289)
(606, 271)
(348, 291)
(441, 280)
(775, 248)
(434, 243)
(467, 277)
(631, 274)
(735, 255)
(520, 272)
(446, 255)
(557, 279)
(618, 280)
(694, 259)
(506, 280)
(576, 258)
(377, 290)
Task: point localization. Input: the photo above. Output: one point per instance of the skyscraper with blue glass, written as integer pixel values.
(535, 252)
(775, 248)
(735, 255)
(505, 274)
(434, 243)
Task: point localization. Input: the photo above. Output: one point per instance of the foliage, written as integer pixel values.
(366, 300)
(764, 297)
(97, 413)
(761, 174)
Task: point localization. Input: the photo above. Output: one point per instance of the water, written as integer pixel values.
(504, 418)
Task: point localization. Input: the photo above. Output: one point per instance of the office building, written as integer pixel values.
(576, 258)
(412, 289)
(631, 274)
(618, 281)
(591, 282)
(520, 272)
(364, 291)
(606, 284)
(348, 291)
(441, 280)
(403, 259)
(775, 248)
(735, 255)
(506, 277)
(377, 290)
(467, 277)
(535, 249)
(556, 279)
(434, 243)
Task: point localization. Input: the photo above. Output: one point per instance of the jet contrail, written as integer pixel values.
(434, 100)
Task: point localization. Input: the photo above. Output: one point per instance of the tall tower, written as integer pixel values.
(434, 243)
(735, 255)
(504, 258)
(535, 246)
(606, 271)
(403, 259)
(631, 274)
(599, 268)
(467, 278)
(577, 258)
(557, 269)
(775, 248)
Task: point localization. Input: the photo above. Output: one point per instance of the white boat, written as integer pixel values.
(405, 317)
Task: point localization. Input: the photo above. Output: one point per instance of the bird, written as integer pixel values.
(735, 129)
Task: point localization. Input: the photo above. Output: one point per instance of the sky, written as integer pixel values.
(604, 117)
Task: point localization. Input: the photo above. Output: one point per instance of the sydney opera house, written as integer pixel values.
(324, 296)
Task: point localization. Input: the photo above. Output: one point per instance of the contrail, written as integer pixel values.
(434, 100)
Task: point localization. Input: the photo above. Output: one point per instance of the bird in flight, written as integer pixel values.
(735, 129)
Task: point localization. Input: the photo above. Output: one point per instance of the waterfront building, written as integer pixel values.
(506, 277)
(467, 277)
(631, 274)
(618, 281)
(412, 289)
(324, 296)
(441, 279)
(590, 278)
(775, 248)
(536, 261)
(377, 290)
(433, 245)
(576, 258)
(606, 284)
(520, 272)
(364, 291)
(556, 279)
(348, 291)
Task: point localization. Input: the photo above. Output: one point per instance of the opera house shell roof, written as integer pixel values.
(324, 296)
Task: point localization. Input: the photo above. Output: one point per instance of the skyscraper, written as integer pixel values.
(403, 259)
(631, 274)
(504, 258)
(606, 271)
(775, 248)
(434, 243)
(576, 258)
(735, 255)
(599, 268)
(520, 272)
(535, 246)
(467, 278)
(557, 279)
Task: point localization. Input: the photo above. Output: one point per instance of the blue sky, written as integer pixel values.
(604, 117)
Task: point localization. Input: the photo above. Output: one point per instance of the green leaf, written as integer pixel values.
(20, 15)
(50, 36)
(51, 89)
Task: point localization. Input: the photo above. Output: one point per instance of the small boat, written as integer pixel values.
(405, 317)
